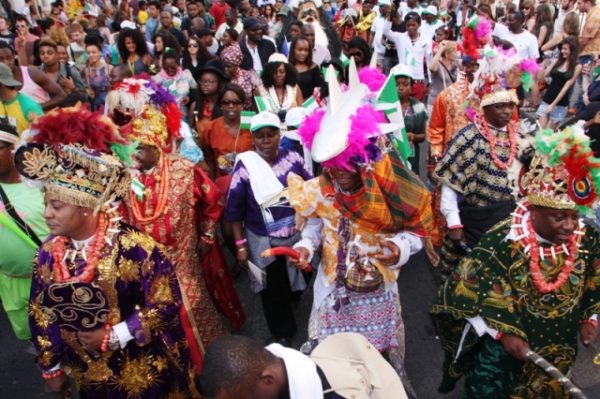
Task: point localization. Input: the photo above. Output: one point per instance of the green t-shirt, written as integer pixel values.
(16, 256)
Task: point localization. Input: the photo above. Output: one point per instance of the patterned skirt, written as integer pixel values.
(376, 315)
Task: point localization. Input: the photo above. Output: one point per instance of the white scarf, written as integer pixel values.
(263, 180)
(303, 380)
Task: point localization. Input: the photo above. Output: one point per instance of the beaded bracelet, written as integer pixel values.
(456, 227)
(591, 322)
(52, 374)
(207, 240)
(499, 336)
(104, 346)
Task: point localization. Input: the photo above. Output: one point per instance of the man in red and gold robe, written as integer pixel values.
(176, 203)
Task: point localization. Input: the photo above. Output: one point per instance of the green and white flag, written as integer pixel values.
(345, 60)
(310, 105)
(138, 188)
(389, 103)
(245, 118)
(265, 104)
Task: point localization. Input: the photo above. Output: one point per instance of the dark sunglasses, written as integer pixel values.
(192, 45)
(230, 102)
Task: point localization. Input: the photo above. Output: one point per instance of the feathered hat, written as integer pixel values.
(345, 134)
(563, 174)
(500, 73)
(146, 112)
(78, 155)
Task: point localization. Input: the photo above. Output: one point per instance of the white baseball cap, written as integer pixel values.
(264, 119)
(430, 10)
(402, 70)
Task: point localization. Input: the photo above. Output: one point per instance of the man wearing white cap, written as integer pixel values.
(430, 23)
(262, 218)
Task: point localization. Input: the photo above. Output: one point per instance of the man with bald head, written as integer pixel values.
(321, 53)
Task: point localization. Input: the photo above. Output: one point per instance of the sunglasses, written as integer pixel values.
(230, 102)
(191, 45)
(21, 26)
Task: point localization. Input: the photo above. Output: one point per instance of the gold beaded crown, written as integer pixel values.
(146, 112)
(563, 173)
(500, 73)
(70, 152)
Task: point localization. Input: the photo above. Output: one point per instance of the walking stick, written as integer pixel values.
(556, 374)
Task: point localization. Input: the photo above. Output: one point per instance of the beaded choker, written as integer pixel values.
(484, 129)
(528, 238)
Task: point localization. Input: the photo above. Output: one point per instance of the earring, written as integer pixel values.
(85, 214)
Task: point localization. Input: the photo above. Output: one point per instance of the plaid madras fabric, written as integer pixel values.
(392, 199)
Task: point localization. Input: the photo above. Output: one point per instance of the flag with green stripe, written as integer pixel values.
(310, 105)
(389, 103)
(245, 118)
(345, 60)
(265, 104)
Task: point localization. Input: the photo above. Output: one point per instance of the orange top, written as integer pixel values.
(220, 147)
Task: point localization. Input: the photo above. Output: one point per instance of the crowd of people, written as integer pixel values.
(151, 151)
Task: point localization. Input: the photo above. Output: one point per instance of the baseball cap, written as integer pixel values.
(402, 70)
(7, 78)
(251, 23)
(264, 119)
(430, 10)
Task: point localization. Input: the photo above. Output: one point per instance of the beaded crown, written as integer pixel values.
(563, 174)
(146, 112)
(72, 151)
(500, 73)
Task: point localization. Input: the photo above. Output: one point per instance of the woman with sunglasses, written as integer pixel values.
(224, 138)
(528, 8)
(195, 56)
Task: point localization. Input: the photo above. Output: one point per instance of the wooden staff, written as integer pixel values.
(556, 374)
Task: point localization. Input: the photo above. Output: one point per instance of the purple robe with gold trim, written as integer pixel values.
(134, 282)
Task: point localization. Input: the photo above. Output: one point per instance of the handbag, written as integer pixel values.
(363, 276)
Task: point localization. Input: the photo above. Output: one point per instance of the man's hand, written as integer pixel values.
(57, 384)
(302, 260)
(431, 253)
(515, 345)
(588, 333)
(91, 340)
(456, 235)
(390, 257)
(67, 83)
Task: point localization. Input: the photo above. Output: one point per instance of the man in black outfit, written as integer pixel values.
(255, 49)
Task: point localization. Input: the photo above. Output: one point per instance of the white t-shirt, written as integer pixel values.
(377, 28)
(427, 31)
(405, 9)
(525, 43)
(409, 53)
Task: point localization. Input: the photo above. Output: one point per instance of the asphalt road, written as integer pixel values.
(19, 378)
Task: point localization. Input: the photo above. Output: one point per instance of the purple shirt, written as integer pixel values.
(278, 219)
